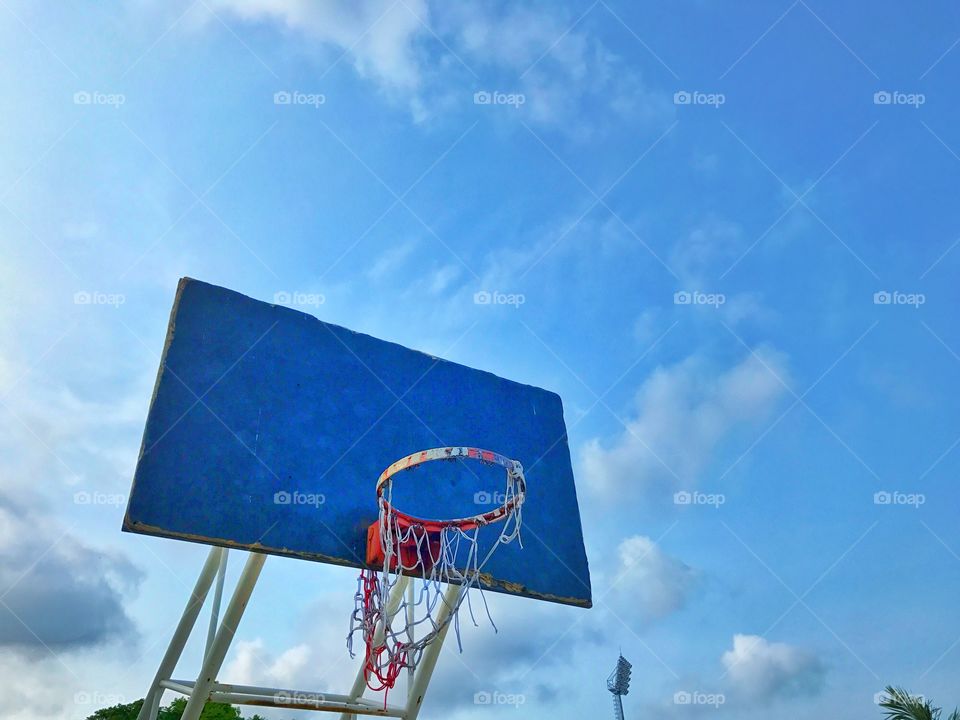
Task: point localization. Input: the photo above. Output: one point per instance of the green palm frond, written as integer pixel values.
(901, 705)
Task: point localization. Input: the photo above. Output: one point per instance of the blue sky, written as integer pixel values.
(732, 229)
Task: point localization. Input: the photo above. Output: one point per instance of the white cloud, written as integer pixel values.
(558, 66)
(252, 664)
(443, 277)
(683, 413)
(763, 670)
(377, 35)
(390, 261)
(436, 56)
(649, 583)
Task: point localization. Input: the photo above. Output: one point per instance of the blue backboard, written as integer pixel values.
(268, 429)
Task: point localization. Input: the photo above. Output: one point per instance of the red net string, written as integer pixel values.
(378, 679)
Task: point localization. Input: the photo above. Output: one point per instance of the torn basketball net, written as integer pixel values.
(433, 553)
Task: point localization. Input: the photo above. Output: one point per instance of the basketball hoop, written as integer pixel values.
(429, 550)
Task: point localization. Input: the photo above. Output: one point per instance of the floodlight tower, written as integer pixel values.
(619, 684)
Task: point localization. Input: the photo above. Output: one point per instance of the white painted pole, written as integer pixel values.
(221, 643)
(217, 596)
(151, 702)
(155, 709)
(412, 632)
(430, 654)
(393, 603)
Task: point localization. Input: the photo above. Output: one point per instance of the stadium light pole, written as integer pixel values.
(619, 684)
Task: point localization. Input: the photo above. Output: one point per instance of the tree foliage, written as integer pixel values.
(173, 711)
(901, 705)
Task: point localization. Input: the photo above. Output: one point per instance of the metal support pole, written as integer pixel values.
(155, 710)
(217, 596)
(429, 659)
(393, 603)
(221, 643)
(412, 632)
(151, 702)
(617, 707)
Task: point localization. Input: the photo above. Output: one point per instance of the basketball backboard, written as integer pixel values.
(268, 429)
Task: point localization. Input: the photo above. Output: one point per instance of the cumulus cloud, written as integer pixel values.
(764, 670)
(56, 592)
(536, 646)
(649, 583)
(529, 654)
(318, 661)
(683, 413)
(253, 664)
(507, 659)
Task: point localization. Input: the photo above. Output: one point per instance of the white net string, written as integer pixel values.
(433, 554)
